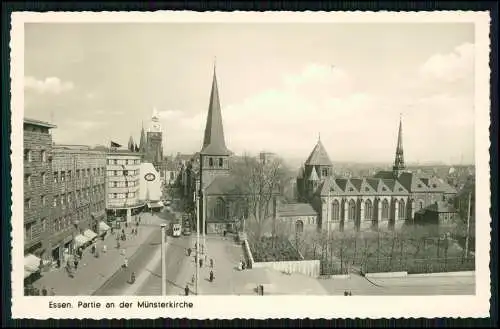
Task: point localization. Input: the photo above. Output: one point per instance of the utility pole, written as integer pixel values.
(197, 249)
(468, 226)
(163, 262)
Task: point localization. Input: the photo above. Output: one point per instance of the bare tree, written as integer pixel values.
(257, 183)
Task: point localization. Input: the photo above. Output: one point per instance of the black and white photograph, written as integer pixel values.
(240, 158)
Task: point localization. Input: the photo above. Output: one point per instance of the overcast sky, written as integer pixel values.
(280, 86)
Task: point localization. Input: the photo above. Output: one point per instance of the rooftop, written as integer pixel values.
(38, 123)
(296, 209)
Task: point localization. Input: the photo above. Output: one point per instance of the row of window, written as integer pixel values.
(353, 211)
(96, 192)
(28, 179)
(121, 195)
(218, 162)
(58, 224)
(123, 172)
(62, 176)
(123, 184)
(29, 155)
(123, 161)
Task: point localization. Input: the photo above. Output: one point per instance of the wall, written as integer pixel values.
(79, 191)
(117, 162)
(37, 215)
(307, 267)
(149, 189)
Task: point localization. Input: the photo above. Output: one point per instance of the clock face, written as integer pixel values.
(149, 177)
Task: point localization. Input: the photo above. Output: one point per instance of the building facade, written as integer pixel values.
(78, 202)
(37, 185)
(385, 201)
(123, 183)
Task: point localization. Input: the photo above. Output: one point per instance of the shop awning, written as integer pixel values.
(103, 227)
(31, 263)
(80, 240)
(158, 204)
(91, 235)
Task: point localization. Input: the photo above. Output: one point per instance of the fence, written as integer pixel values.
(307, 267)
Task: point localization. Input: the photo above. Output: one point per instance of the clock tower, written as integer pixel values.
(154, 137)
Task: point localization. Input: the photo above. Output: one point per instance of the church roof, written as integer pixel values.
(296, 209)
(319, 156)
(214, 142)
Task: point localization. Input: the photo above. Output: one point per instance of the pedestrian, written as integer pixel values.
(112, 230)
(52, 292)
(189, 251)
(224, 233)
(186, 290)
(346, 293)
(350, 293)
(211, 276)
(123, 231)
(192, 279)
(44, 291)
(201, 263)
(104, 248)
(136, 224)
(125, 262)
(132, 278)
(195, 246)
(93, 249)
(126, 224)
(76, 264)
(211, 263)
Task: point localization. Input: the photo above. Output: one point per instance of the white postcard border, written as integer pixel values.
(258, 307)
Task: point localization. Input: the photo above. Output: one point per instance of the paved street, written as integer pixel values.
(93, 272)
(176, 275)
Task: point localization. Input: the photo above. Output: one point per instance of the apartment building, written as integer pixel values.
(78, 203)
(122, 188)
(37, 191)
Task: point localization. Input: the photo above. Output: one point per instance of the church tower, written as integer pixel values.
(399, 162)
(214, 155)
(154, 145)
(317, 168)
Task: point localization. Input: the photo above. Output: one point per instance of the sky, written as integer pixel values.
(282, 86)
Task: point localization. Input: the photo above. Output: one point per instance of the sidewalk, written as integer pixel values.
(229, 280)
(93, 272)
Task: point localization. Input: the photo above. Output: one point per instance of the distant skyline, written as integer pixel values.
(280, 85)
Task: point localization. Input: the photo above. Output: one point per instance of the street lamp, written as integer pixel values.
(163, 262)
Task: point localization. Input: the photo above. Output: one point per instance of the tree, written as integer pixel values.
(258, 183)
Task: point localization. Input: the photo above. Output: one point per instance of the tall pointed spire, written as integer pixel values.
(142, 142)
(214, 142)
(399, 162)
(131, 144)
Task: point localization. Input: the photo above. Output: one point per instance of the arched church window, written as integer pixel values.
(220, 209)
(351, 213)
(368, 209)
(335, 211)
(401, 209)
(385, 210)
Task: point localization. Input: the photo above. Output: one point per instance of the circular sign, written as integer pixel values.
(149, 177)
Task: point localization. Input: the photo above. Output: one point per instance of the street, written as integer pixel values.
(146, 261)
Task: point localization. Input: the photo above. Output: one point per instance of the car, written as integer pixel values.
(186, 230)
(176, 230)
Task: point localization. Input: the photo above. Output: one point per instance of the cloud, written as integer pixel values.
(457, 65)
(50, 85)
(170, 114)
(354, 125)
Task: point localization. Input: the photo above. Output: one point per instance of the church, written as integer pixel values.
(385, 201)
(326, 203)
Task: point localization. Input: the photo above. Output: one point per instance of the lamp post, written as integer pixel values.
(197, 239)
(163, 262)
